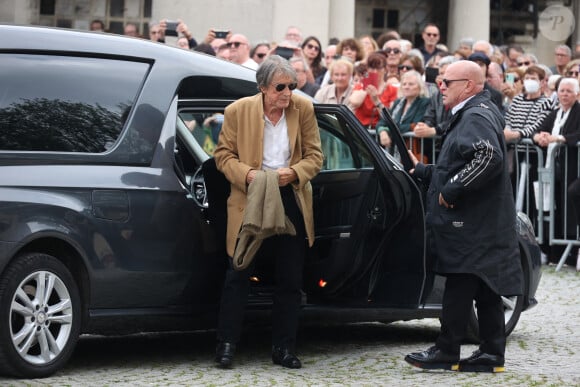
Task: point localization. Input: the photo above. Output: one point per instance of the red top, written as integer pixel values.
(367, 112)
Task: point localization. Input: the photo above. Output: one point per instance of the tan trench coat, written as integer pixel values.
(240, 148)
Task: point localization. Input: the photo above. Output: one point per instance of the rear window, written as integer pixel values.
(65, 104)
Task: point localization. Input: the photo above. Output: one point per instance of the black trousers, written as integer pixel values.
(460, 291)
(288, 253)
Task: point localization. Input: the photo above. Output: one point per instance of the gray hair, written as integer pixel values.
(299, 59)
(419, 78)
(446, 60)
(566, 48)
(467, 42)
(273, 65)
(572, 82)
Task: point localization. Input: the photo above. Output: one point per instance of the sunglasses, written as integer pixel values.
(572, 73)
(515, 79)
(431, 34)
(312, 47)
(526, 63)
(388, 50)
(448, 82)
(261, 55)
(234, 44)
(407, 68)
(281, 86)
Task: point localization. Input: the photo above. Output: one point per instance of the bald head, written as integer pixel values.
(463, 79)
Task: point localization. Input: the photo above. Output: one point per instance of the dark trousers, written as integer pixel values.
(288, 253)
(460, 291)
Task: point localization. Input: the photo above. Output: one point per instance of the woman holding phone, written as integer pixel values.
(371, 93)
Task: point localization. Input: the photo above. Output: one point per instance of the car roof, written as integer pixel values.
(66, 41)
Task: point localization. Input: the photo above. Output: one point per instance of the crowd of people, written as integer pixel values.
(480, 97)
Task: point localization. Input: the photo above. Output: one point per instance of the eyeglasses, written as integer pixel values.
(234, 44)
(572, 73)
(261, 55)
(515, 79)
(448, 82)
(525, 63)
(431, 34)
(407, 68)
(388, 50)
(312, 47)
(281, 86)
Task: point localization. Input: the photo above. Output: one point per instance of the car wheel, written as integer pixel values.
(512, 310)
(40, 316)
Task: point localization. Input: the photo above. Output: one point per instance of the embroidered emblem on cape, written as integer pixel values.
(457, 224)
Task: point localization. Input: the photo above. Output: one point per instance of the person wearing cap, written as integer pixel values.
(483, 61)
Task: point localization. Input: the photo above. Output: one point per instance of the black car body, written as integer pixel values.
(111, 213)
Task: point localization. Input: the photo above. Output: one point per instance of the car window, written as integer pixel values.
(341, 150)
(205, 127)
(65, 104)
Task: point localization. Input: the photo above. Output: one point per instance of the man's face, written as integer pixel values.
(155, 33)
(561, 57)
(275, 98)
(260, 54)
(494, 77)
(512, 58)
(329, 55)
(294, 35)
(453, 91)
(393, 50)
(431, 36)
(300, 73)
(130, 30)
(239, 49)
(96, 27)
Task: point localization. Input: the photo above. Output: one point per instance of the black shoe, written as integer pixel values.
(482, 362)
(433, 359)
(285, 358)
(224, 354)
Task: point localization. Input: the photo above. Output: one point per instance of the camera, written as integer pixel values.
(284, 52)
(171, 28)
(221, 34)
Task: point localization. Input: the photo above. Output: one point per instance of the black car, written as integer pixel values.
(111, 210)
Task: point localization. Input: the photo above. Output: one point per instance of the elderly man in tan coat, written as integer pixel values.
(275, 131)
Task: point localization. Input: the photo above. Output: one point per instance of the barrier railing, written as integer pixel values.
(537, 189)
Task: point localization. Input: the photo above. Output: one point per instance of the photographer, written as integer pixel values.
(176, 28)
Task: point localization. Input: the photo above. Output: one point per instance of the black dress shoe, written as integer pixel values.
(285, 358)
(224, 354)
(433, 359)
(482, 362)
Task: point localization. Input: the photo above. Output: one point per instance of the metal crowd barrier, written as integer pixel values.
(534, 187)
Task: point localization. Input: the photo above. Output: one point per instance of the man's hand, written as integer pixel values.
(443, 203)
(511, 135)
(251, 176)
(286, 176)
(423, 130)
(385, 139)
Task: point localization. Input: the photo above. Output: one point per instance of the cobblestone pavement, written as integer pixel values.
(544, 350)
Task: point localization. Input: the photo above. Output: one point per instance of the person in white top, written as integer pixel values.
(240, 51)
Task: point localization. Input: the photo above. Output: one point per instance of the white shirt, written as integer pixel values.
(276, 144)
(251, 64)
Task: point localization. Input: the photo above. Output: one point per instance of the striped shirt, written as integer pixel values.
(526, 115)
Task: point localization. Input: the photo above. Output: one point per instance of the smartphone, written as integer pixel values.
(284, 52)
(370, 79)
(431, 74)
(221, 34)
(171, 28)
(509, 78)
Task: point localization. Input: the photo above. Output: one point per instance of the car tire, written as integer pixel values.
(38, 329)
(513, 307)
